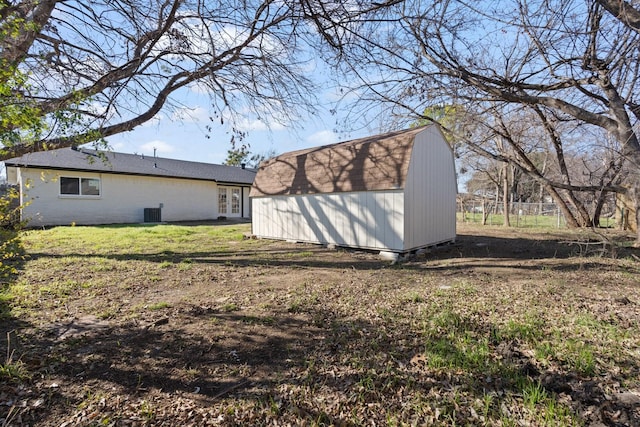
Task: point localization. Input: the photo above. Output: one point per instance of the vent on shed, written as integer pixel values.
(152, 215)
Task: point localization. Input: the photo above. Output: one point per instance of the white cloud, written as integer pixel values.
(191, 115)
(160, 146)
(324, 137)
(117, 146)
(154, 121)
(200, 87)
(247, 124)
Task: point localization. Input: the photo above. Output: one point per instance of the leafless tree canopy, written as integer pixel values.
(99, 67)
(562, 63)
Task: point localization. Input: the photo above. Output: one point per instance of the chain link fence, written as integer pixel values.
(520, 214)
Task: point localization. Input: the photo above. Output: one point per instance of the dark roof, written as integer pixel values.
(377, 162)
(83, 159)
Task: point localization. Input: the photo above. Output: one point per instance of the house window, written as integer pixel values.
(222, 201)
(79, 186)
(235, 201)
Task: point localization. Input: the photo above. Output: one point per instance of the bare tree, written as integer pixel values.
(569, 60)
(80, 71)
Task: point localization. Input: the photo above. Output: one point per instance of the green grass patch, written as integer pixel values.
(14, 371)
(160, 240)
(230, 306)
(159, 306)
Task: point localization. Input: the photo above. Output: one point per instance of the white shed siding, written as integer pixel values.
(430, 192)
(360, 219)
(122, 200)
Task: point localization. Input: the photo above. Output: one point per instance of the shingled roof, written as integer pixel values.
(377, 162)
(76, 159)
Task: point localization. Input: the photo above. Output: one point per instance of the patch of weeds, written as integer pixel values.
(533, 393)
(366, 385)
(147, 411)
(385, 313)
(159, 306)
(487, 405)
(165, 264)
(556, 414)
(102, 265)
(192, 373)
(447, 321)
(591, 326)
(414, 297)
(14, 371)
(466, 288)
(60, 289)
(272, 405)
(295, 306)
(230, 306)
(530, 330)
(580, 357)
(301, 254)
(6, 298)
(463, 351)
(108, 313)
(89, 398)
(452, 341)
(185, 264)
(545, 351)
(23, 295)
(302, 302)
(548, 411)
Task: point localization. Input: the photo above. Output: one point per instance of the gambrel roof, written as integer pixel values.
(377, 162)
(85, 160)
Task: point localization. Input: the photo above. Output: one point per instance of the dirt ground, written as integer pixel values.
(297, 334)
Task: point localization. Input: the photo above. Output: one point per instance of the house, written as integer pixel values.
(82, 186)
(394, 193)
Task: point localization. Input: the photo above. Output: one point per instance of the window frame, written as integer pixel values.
(236, 195)
(80, 193)
(222, 191)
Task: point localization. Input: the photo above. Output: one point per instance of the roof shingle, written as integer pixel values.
(131, 164)
(377, 162)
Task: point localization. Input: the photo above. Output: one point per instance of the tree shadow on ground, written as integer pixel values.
(314, 365)
(478, 248)
(12, 259)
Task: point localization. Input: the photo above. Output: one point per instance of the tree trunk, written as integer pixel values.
(505, 194)
(571, 220)
(635, 194)
(602, 197)
(541, 192)
(484, 210)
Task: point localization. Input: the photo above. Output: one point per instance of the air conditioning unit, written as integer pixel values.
(152, 215)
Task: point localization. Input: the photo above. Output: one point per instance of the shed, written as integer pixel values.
(394, 192)
(83, 186)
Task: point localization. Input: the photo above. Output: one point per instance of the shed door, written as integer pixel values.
(230, 201)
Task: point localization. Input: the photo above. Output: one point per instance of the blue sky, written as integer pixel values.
(188, 133)
(184, 135)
